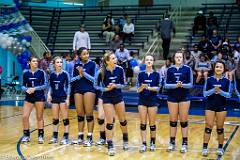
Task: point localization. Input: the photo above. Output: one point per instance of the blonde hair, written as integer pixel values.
(106, 58)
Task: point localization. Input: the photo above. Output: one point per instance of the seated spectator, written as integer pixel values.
(128, 30)
(237, 43)
(109, 16)
(202, 67)
(123, 21)
(226, 51)
(205, 46)
(189, 59)
(195, 52)
(199, 23)
(123, 56)
(115, 43)
(212, 23)
(218, 57)
(107, 30)
(230, 67)
(44, 63)
(163, 69)
(216, 41)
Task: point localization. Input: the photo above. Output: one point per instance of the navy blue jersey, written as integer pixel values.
(152, 79)
(59, 84)
(116, 76)
(237, 84)
(37, 80)
(86, 82)
(174, 75)
(212, 98)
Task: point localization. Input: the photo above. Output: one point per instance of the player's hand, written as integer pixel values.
(49, 99)
(67, 101)
(217, 89)
(80, 70)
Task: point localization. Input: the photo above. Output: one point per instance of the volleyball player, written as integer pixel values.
(58, 95)
(34, 83)
(237, 80)
(217, 89)
(148, 83)
(112, 80)
(84, 95)
(178, 81)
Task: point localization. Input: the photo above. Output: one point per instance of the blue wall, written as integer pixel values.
(7, 61)
(7, 2)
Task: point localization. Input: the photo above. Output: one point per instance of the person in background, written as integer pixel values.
(199, 23)
(70, 66)
(81, 39)
(115, 43)
(65, 60)
(202, 67)
(123, 56)
(166, 27)
(212, 23)
(107, 30)
(128, 30)
(216, 41)
(44, 63)
(195, 52)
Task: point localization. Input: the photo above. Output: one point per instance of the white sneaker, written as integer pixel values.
(171, 147)
(53, 140)
(25, 139)
(220, 151)
(101, 142)
(78, 141)
(205, 152)
(125, 146)
(152, 147)
(88, 143)
(64, 141)
(40, 140)
(111, 151)
(184, 148)
(143, 148)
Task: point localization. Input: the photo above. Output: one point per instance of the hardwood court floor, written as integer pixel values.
(11, 131)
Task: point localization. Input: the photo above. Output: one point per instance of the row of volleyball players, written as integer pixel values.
(109, 81)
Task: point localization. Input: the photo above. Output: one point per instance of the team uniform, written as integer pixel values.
(59, 86)
(148, 98)
(214, 101)
(117, 77)
(37, 80)
(183, 74)
(84, 84)
(237, 85)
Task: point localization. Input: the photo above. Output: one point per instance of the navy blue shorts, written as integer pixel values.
(148, 103)
(83, 91)
(178, 99)
(59, 100)
(33, 99)
(112, 100)
(216, 108)
(98, 94)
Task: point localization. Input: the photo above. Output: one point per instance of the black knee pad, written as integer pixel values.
(81, 118)
(124, 123)
(208, 130)
(220, 131)
(109, 126)
(55, 121)
(89, 118)
(173, 124)
(184, 124)
(143, 127)
(66, 122)
(100, 121)
(153, 128)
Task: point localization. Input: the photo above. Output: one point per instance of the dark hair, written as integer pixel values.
(224, 66)
(30, 59)
(80, 50)
(45, 53)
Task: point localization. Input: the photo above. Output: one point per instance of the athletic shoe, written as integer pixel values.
(111, 151)
(53, 140)
(184, 148)
(205, 152)
(88, 142)
(152, 147)
(143, 148)
(40, 140)
(78, 141)
(25, 139)
(64, 141)
(101, 142)
(171, 147)
(125, 146)
(220, 151)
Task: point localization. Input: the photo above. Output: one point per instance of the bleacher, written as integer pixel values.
(56, 27)
(228, 15)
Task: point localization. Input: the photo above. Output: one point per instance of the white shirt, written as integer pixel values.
(236, 57)
(81, 39)
(128, 28)
(122, 55)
